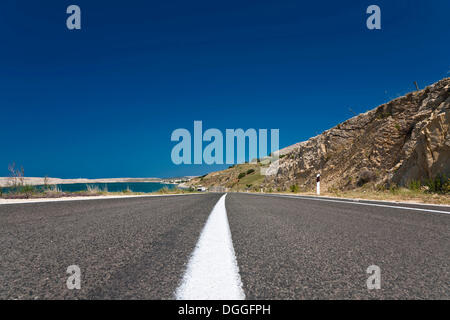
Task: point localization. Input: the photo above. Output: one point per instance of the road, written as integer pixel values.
(278, 248)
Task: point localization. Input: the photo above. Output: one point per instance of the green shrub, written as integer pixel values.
(414, 185)
(294, 188)
(439, 184)
(394, 189)
(22, 189)
(383, 114)
(27, 189)
(164, 190)
(249, 171)
(241, 175)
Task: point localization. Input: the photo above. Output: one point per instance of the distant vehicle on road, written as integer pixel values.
(201, 189)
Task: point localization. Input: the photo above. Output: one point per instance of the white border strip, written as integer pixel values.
(366, 200)
(42, 200)
(212, 272)
(355, 202)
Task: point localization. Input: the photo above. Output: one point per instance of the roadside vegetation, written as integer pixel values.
(249, 179)
(166, 190)
(398, 194)
(435, 191)
(246, 177)
(17, 188)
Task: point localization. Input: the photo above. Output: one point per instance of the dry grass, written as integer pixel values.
(166, 190)
(53, 191)
(397, 195)
(401, 194)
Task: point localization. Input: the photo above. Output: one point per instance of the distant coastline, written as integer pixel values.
(34, 181)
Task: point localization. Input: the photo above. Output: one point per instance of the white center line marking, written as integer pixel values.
(212, 272)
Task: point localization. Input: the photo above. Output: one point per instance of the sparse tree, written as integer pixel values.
(16, 176)
(46, 182)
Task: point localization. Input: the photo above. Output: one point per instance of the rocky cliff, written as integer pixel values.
(406, 139)
(403, 140)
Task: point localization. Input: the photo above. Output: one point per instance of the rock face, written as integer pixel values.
(403, 140)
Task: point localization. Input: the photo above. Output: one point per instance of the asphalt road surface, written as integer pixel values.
(132, 248)
(283, 247)
(308, 249)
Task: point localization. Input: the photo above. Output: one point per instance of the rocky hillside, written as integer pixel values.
(406, 139)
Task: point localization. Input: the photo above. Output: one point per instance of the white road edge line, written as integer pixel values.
(360, 203)
(81, 198)
(212, 272)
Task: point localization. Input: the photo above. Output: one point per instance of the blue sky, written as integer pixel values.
(103, 101)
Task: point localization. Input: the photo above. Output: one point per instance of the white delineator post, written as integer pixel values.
(318, 184)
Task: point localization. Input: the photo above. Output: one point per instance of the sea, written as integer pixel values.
(146, 187)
